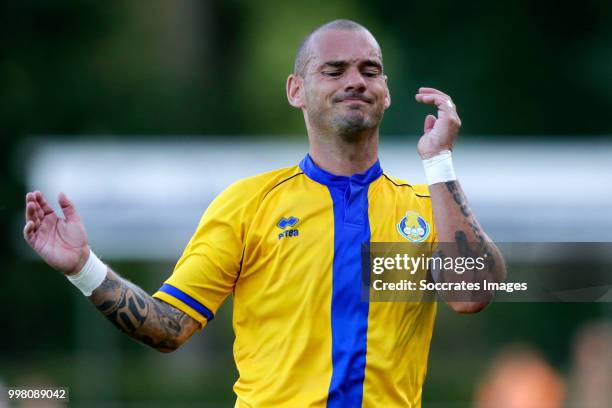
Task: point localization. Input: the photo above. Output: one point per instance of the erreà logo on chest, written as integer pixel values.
(287, 225)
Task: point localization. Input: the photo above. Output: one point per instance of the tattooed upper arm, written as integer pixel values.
(152, 321)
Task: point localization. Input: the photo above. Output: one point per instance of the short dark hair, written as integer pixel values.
(301, 57)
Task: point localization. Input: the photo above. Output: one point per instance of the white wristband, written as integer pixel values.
(439, 168)
(91, 276)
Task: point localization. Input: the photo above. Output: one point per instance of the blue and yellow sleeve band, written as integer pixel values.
(185, 303)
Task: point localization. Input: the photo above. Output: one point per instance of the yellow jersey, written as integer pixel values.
(287, 244)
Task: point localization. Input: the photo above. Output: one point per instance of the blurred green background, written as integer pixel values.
(196, 68)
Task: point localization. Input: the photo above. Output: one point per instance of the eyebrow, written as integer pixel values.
(343, 63)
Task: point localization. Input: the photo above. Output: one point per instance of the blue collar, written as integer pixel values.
(324, 177)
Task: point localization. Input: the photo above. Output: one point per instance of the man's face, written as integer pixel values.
(345, 90)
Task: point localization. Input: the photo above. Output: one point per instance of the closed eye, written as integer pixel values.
(332, 73)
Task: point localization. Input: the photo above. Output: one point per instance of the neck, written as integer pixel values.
(344, 157)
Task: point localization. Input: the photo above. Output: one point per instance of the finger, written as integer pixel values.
(28, 197)
(430, 121)
(31, 213)
(425, 90)
(28, 231)
(39, 210)
(40, 198)
(68, 209)
(443, 103)
(433, 91)
(445, 112)
(440, 101)
(435, 99)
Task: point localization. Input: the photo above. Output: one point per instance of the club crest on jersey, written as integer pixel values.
(287, 225)
(413, 227)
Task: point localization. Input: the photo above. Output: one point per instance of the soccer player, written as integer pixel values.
(287, 245)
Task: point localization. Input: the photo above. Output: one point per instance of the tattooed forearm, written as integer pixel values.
(462, 237)
(139, 315)
(463, 246)
(458, 197)
(461, 227)
(485, 245)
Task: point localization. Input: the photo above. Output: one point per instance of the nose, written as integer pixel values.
(354, 81)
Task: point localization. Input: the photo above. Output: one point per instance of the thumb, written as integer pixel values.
(430, 121)
(68, 209)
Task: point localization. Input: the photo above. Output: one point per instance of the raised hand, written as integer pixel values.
(60, 242)
(439, 132)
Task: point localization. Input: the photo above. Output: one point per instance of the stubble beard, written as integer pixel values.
(349, 125)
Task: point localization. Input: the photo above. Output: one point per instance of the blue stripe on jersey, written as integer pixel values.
(188, 300)
(349, 314)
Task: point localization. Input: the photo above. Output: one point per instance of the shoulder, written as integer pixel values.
(262, 184)
(419, 190)
(253, 189)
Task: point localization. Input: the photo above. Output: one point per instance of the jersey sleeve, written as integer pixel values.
(207, 271)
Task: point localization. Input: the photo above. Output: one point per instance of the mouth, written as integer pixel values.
(354, 102)
(351, 101)
(354, 99)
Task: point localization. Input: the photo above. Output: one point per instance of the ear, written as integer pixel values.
(295, 91)
(387, 95)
